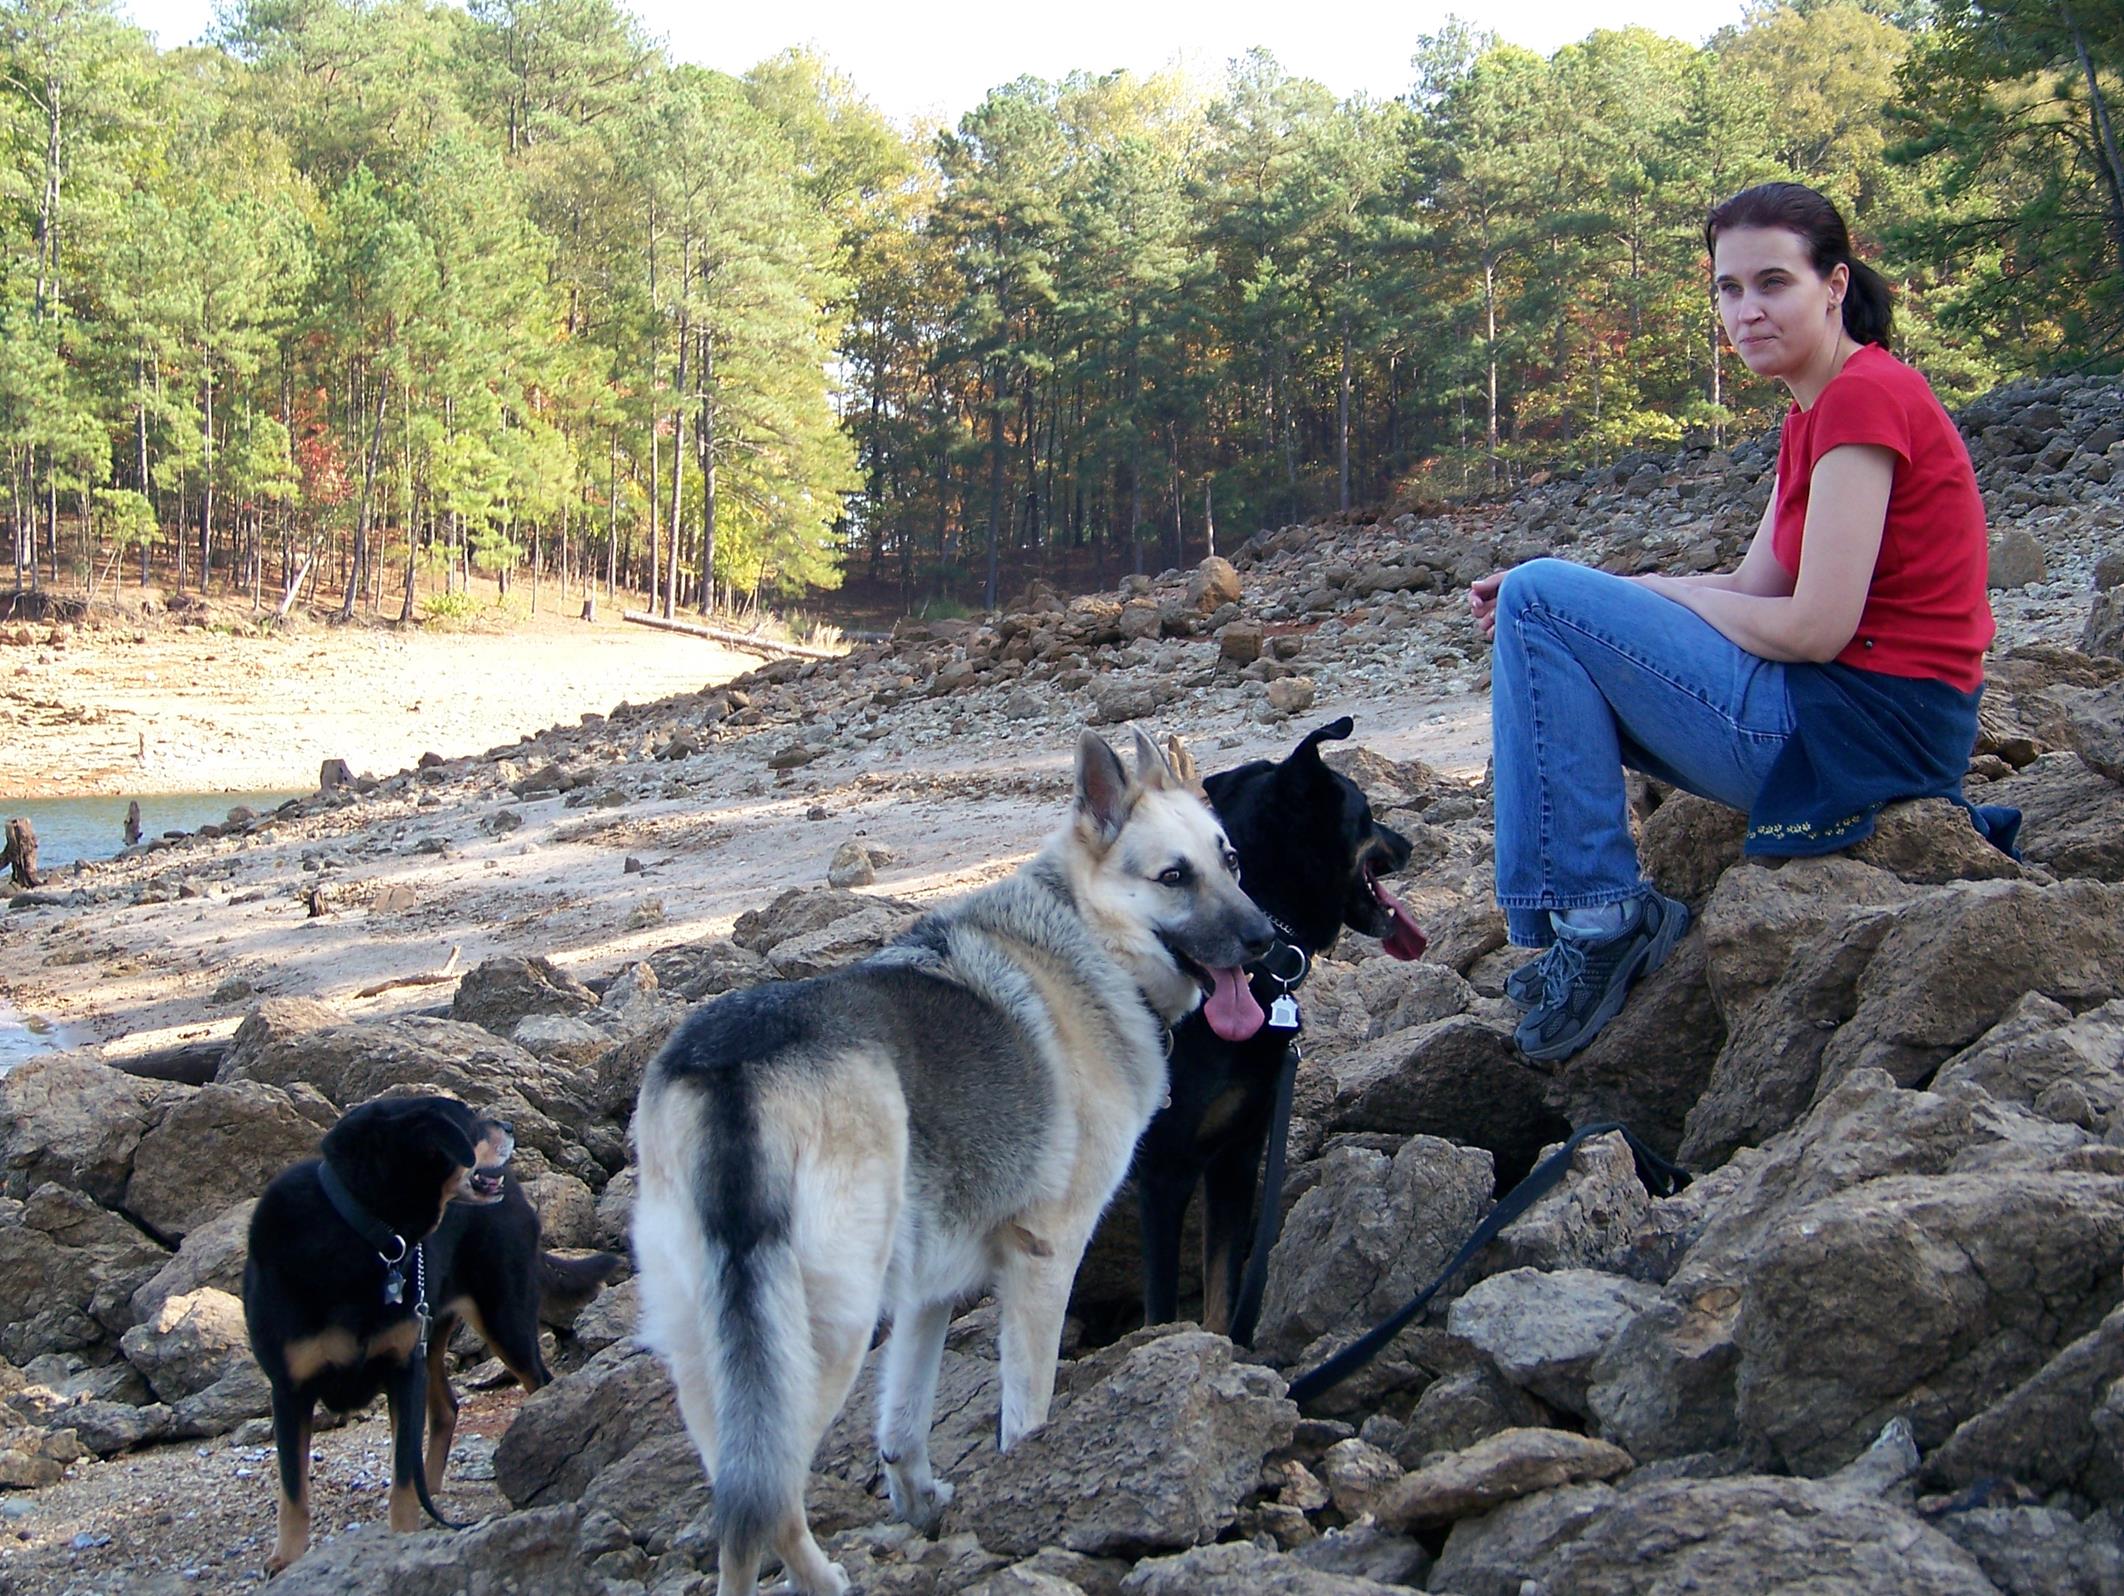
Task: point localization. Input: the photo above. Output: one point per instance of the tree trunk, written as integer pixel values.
(360, 563)
(206, 469)
(2098, 106)
(706, 436)
(995, 488)
(18, 854)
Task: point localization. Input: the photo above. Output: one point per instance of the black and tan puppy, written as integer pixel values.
(363, 1261)
(1311, 855)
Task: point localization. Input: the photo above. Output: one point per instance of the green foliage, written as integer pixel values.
(432, 286)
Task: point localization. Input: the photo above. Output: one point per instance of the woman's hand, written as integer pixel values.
(1482, 600)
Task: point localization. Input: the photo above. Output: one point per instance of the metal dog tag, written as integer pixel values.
(394, 1287)
(1283, 1013)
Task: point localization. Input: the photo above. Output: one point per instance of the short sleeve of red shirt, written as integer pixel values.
(1927, 612)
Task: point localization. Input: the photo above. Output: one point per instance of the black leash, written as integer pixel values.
(1268, 1221)
(1661, 1178)
(397, 1258)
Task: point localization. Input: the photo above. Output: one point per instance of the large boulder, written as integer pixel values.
(68, 1271)
(1650, 1064)
(1920, 1297)
(1154, 1456)
(2072, 818)
(2043, 1432)
(192, 1342)
(497, 993)
(2065, 1067)
(70, 1119)
(1546, 1329)
(569, 1432)
(1500, 1468)
(1240, 1568)
(1958, 958)
(549, 1104)
(1369, 1235)
(536, 1551)
(219, 1145)
(1456, 1077)
(1755, 1536)
(212, 1255)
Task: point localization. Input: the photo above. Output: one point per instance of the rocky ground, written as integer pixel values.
(1876, 1345)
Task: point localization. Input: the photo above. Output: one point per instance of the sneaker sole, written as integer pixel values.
(1654, 954)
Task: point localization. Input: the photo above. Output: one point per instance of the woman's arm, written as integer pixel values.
(1847, 511)
(1758, 573)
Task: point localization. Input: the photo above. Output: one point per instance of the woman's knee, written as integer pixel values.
(1550, 583)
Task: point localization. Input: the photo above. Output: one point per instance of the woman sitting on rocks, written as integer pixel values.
(1837, 668)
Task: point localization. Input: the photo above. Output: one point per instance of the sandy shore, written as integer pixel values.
(117, 710)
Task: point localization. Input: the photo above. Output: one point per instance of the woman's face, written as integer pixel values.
(1782, 316)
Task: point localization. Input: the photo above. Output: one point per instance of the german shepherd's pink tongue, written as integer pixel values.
(1406, 940)
(1231, 1010)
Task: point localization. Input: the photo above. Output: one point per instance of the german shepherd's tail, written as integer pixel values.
(732, 1315)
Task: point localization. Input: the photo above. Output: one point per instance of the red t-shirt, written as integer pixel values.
(1927, 612)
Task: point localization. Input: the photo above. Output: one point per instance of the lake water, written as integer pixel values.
(24, 1037)
(94, 828)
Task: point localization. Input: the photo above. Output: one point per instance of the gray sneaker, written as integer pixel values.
(1585, 979)
(1523, 986)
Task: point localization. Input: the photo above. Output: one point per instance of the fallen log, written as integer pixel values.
(429, 978)
(731, 639)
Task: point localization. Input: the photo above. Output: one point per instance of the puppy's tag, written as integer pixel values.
(394, 1287)
(1283, 1013)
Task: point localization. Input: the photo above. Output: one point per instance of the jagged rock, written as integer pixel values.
(843, 941)
(2064, 1067)
(69, 1269)
(2042, 1432)
(659, 1491)
(2095, 724)
(2039, 1551)
(1758, 916)
(1367, 1237)
(2072, 819)
(1455, 1077)
(31, 1457)
(1458, 1409)
(691, 973)
(2016, 560)
(212, 1255)
(1687, 843)
(497, 993)
(1545, 1330)
(1663, 1385)
(1365, 1551)
(1213, 584)
(1500, 1468)
(1242, 1569)
(1495, 1553)
(69, 1119)
(191, 1343)
(547, 1103)
(1155, 1456)
(218, 1145)
(1755, 1536)
(1357, 1473)
(1918, 1297)
(1930, 842)
(2104, 632)
(107, 1428)
(851, 866)
(562, 1039)
(1960, 956)
(564, 1436)
(1586, 1222)
(566, 1209)
(534, 1551)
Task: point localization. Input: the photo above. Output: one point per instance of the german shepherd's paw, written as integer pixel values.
(828, 1581)
(922, 1507)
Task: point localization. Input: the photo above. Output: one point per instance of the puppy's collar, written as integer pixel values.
(389, 1244)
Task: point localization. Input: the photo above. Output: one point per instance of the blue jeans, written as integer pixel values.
(1590, 673)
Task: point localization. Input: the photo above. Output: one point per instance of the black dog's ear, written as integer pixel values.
(1333, 732)
(440, 1131)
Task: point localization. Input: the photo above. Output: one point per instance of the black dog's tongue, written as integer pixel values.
(1231, 1010)
(1406, 940)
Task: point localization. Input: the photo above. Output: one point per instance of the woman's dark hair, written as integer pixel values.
(1868, 315)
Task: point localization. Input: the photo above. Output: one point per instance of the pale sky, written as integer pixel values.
(936, 58)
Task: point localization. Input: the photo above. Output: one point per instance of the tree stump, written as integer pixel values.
(19, 854)
(132, 824)
(332, 775)
(590, 608)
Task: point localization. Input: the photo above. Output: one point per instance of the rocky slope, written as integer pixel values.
(1877, 1344)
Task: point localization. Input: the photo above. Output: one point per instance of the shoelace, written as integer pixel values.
(1564, 963)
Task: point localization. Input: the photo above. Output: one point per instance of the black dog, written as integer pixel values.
(361, 1264)
(1311, 855)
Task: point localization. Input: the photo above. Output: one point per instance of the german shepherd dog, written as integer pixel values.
(891, 1137)
(408, 1205)
(1312, 857)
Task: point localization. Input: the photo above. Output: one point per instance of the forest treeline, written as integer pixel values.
(366, 294)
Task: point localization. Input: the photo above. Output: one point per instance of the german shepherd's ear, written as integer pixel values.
(1153, 774)
(1182, 760)
(1333, 732)
(1104, 792)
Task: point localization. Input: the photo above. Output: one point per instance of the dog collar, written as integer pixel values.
(389, 1244)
